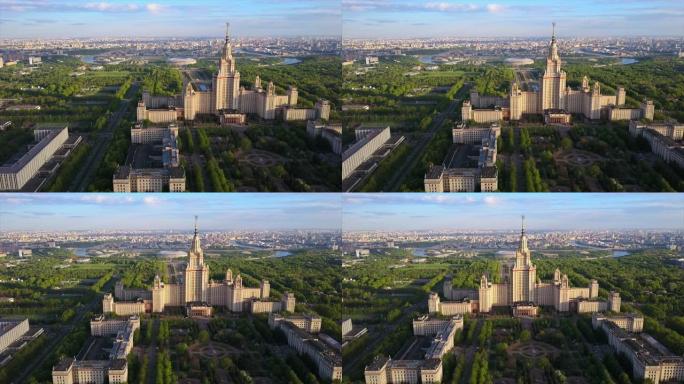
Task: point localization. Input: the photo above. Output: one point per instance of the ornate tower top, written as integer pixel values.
(522, 255)
(523, 238)
(195, 254)
(522, 231)
(227, 47)
(553, 62)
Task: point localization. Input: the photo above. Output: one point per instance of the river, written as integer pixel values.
(628, 61)
(426, 59)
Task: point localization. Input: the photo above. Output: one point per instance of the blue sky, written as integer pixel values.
(85, 18)
(402, 18)
(373, 211)
(544, 211)
(73, 211)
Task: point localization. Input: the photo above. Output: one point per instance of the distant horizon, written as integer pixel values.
(41, 19)
(343, 38)
(502, 211)
(234, 38)
(62, 18)
(165, 211)
(385, 212)
(445, 230)
(395, 18)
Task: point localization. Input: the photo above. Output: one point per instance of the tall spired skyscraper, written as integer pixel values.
(226, 81)
(196, 273)
(553, 82)
(524, 274)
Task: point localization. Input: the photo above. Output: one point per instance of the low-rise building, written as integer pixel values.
(665, 139)
(127, 179)
(367, 142)
(168, 176)
(349, 332)
(11, 331)
(330, 132)
(48, 140)
(309, 323)
(649, 359)
(113, 370)
(328, 361)
(444, 178)
(384, 370)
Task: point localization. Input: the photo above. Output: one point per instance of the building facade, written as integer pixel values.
(11, 331)
(195, 288)
(224, 95)
(649, 359)
(384, 370)
(555, 100)
(367, 142)
(14, 176)
(520, 289)
(665, 139)
(332, 133)
(167, 176)
(484, 178)
(127, 179)
(301, 333)
(113, 370)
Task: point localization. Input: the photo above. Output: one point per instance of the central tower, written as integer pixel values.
(196, 272)
(553, 82)
(226, 81)
(524, 272)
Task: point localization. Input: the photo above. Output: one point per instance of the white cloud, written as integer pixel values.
(436, 198)
(443, 6)
(491, 200)
(155, 8)
(151, 200)
(112, 198)
(110, 7)
(494, 8)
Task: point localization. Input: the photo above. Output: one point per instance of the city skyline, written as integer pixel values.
(175, 18)
(583, 18)
(543, 211)
(106, 211)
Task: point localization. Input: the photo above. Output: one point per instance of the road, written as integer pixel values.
(57, 338)
(151, 352)
(101, 143)
(353, 364)
(404, 169)
(517, 158)
(470, 353)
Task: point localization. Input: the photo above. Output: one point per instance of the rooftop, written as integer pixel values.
(33, 151)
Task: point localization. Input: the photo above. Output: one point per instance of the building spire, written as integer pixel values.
(195, 253)
(522, 232)
(227, 47)
(553, 33)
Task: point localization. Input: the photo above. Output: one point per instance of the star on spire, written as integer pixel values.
(195, 224)
(523, 225)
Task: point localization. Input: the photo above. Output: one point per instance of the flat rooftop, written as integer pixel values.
(20, 163)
